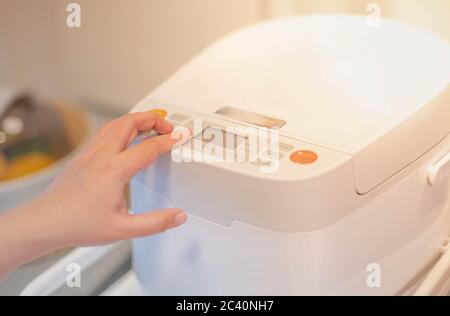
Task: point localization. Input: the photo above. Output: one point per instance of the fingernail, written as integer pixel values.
(180, 219)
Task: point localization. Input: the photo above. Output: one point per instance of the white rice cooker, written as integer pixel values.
(359, 201)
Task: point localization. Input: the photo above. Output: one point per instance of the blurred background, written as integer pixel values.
(58, 84)
(124, 49)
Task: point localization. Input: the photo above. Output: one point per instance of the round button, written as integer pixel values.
(160, 112)
(304, 157)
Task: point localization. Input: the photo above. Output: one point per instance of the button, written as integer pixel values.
(285, 147)
(304, 157)
(269, 153)
(261, 163)
(160, 112)
(266, 158)
(177, 117)
(174, 124)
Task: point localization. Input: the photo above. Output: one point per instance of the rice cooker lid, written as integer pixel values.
(333, 79)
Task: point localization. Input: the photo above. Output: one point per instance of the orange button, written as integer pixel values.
(160, 112)
(304, 157)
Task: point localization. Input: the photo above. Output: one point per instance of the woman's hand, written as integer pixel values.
(85, 205)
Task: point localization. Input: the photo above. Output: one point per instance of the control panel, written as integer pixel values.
(232, 142)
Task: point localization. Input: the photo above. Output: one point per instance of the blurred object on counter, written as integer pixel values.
(38, 138)
(35, 137)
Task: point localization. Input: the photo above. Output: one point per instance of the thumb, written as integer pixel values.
(154, 222)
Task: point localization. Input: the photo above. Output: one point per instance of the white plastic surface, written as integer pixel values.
(381, 94)
(332, 78)
(401, 232)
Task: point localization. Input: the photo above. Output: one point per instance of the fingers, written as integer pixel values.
(133, 124)
(118, 134)
(152, 222)
(143, 154)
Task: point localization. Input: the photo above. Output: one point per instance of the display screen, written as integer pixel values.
(250, 117)
(220, 137)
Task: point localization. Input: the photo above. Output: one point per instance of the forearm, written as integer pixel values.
(24, 236)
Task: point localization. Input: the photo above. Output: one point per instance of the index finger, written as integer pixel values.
(125, 129)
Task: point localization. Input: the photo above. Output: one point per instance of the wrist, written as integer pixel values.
(38, 225)
(25, 235)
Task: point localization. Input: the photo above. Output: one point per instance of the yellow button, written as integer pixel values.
(304, 157)
(160, 112)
